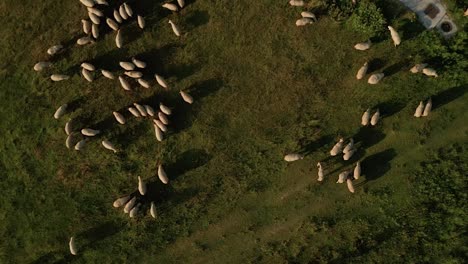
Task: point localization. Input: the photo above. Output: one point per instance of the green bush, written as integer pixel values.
(367, 19)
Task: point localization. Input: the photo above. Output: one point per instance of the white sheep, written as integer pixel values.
(158, 133)
(186, 97)
(129, 205)
(124, 83)
(161, 81)
(72, 245)
(349, 147)
(337, 148)
(87, 75)
(149, 110)
(128, 9)
(175, 28)
(95, 11)
(141, 109)
(112, 24)
(141, 186)
(40, 66)
(121, 201)
(87, 3)
(54, 49)
(170, 6)
(395, 36)
(134, 211)
(134, 74)
(304, 21)
(60, 111)
(59, 77)
(140, 64)
(107, 74)
(293, 157)
(128, 66)
(427, 108)
(162, 175)
(122, 12)
(134, 112)
(465, 13)
(160, 125)
(181, 3)
(102, 2)
(375, 118)
(69, 141)
(68, 127)
(144, 83)
(141, 22)
(153, 210)
(119, 117)
(166, 110)
(80, 145)
(95, 31)
(89, 132)
(430, 72)
(365, 117)
(362, 71)
(86, 26)
(296, 2)
(88, 66)
(320, 172)
(163, 118)
(418, 68)
(119, 39)
(357, 171)
(363, 45)
(419, 109)
(349, 154)
(108, 145)
(117, 16)
(342, 177)
(308, 14)
(95, 19)
(350, 185)
(84, 41)
(375, 78)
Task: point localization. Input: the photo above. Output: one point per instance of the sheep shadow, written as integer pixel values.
(375, 65)
(394, 68)
(187, 161)
(197, 19)
(376, 165)
(410, 29)
(390, 107)
(309, 147)
(368, 137)
(157, 58)
(447, 96)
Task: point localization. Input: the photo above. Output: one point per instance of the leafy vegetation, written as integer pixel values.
(368, 19)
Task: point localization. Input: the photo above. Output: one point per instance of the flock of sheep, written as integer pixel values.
(423, 110)
(131, 68)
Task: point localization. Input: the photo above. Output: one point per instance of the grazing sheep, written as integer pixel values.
(88, 66)
(68, 127)
(304, 21)
(141, 22)
(86, 26)
(119, 117)
(102, 2)
(128, 66)
(308, 14)
(349, 154)
(181, 3)
(121, 201)
(375, 118)
(153, 210)
(166, 110)
(117, 16)
(108, 145)
(149, 110)
(108, 74)
(89, 132)
(349, 147)
(362, 71)
(170, 6)
(160, 125)
(122, 12)
(95, 31)
(95, 11)
(320, 172)
(134, 112)
(430, 72)
(87, 75)
(124, 83)
(186, 97)
(365, 117)
(140, 64)
(40, 66)
(293, 157)
(141, 186)
(337, 148)
(163, 118)
(143, 83)
(112, 24)
(71, 244)
(350, 185)
(158, 133)
(59, 77)
(128, 9)
(427, 108)
(342, 177)
(134, 211)
(60, 111)
(129, 205)
(80, 145)
(141, 109)
(375, 78)
(296, 2)
(363, 45)
(418, 67)
(84, 41)
(175, 28)
(119, 39)
(87, 3)
(162, 175)
(54, 49)
(134, 74)
(357, 170)
(466, 12)
(419, 109)
(69, 141)
(161, 81)
(95, 19)
(395, 36)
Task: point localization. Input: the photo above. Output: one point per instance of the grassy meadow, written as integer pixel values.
(263, 88)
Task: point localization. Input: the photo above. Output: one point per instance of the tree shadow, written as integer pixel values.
(375, 166)
(447, 96)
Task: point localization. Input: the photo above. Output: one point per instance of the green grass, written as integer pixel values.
(262, 88)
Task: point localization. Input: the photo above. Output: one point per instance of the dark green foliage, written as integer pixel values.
(367, 19)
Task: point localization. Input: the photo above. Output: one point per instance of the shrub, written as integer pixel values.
(367, 19)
